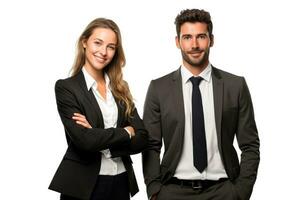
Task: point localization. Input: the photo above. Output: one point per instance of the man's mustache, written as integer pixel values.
(196, 51)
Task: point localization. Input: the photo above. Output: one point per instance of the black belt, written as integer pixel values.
(195, 184)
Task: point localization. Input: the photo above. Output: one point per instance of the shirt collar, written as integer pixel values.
(205, 74)
(90, 81)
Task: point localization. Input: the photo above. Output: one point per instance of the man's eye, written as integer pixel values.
(204, 36)
(186, 37)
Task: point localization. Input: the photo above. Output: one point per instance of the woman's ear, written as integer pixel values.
(83, 42)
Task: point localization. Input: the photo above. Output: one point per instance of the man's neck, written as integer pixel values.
(195, 70)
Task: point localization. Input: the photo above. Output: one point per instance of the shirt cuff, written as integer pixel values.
(128, 132)
(106, 153)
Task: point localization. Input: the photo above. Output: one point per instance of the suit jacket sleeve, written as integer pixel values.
(94, 139)
(248, 142)
(137, 142)
(151, 157)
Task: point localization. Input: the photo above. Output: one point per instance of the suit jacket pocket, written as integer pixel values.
(69, 155)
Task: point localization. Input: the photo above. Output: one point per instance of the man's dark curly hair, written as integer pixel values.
(194, 15)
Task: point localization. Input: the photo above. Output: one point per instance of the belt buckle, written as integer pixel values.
(196, 185)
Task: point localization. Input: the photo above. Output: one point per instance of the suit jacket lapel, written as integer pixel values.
(92, 99)
(121, 113)
(218, 102)
(90, 96)
(96, 107)
(179, 107)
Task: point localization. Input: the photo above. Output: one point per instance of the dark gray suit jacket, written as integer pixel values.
(77, 173)
(164, 119)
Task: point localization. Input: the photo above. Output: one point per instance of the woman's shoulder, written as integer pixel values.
(69, 82)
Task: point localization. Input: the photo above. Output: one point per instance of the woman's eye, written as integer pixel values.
(111, 47)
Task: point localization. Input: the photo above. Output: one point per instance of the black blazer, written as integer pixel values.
(164, 118)
(78, 171)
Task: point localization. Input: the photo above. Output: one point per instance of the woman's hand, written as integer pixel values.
(81, 120)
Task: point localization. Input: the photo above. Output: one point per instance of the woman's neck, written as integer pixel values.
(98, 75)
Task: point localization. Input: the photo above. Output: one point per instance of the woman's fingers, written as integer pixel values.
(80, 119)
(79, 115)
(83, 124)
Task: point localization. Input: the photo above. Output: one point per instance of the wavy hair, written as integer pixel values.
(194, 15)
(119, 87)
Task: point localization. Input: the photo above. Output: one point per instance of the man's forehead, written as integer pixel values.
(193, 27)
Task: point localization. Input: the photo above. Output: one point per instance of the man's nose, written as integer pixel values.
(195, 44)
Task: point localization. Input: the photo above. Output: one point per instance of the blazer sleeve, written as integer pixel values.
(248, 141)
(151, 156)
(88, 139)
(138, 142)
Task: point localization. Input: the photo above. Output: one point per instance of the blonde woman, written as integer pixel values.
(102, 125)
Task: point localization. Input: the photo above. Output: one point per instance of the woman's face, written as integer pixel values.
(100, 48)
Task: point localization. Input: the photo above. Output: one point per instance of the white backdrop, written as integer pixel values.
(256, 39)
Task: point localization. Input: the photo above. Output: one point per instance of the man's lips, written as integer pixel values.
(195, 52)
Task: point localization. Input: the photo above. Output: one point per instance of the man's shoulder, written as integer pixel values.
(165, 83)
(168, 77)
(224, 74)
(231, 81)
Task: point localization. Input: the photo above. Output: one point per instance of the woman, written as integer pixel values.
(102, 125)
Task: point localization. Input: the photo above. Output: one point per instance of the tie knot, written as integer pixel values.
(196, 80)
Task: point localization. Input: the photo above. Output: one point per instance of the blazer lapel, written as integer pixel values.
(96, 107)
(218, 102)
(121, 113)
(91, 97)
(179, 107)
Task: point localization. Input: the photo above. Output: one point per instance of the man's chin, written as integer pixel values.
(197, 63)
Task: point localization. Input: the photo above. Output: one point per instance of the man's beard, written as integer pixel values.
(197, 63)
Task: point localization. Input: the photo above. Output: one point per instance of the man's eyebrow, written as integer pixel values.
(186, 35)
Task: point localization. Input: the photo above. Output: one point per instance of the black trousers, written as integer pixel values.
(108, 188)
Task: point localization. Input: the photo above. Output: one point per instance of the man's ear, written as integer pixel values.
(212, 41)
(177, 42)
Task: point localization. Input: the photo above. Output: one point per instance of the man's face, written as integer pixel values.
(194, 43)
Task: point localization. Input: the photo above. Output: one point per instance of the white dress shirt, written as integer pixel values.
(185, 169)
(109, 110)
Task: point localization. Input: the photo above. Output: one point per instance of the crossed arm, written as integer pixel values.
(81, 120)
(95, 139)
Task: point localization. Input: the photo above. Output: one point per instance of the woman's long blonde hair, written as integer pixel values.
(118, 86)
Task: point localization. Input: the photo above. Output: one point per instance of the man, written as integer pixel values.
(197, 111)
